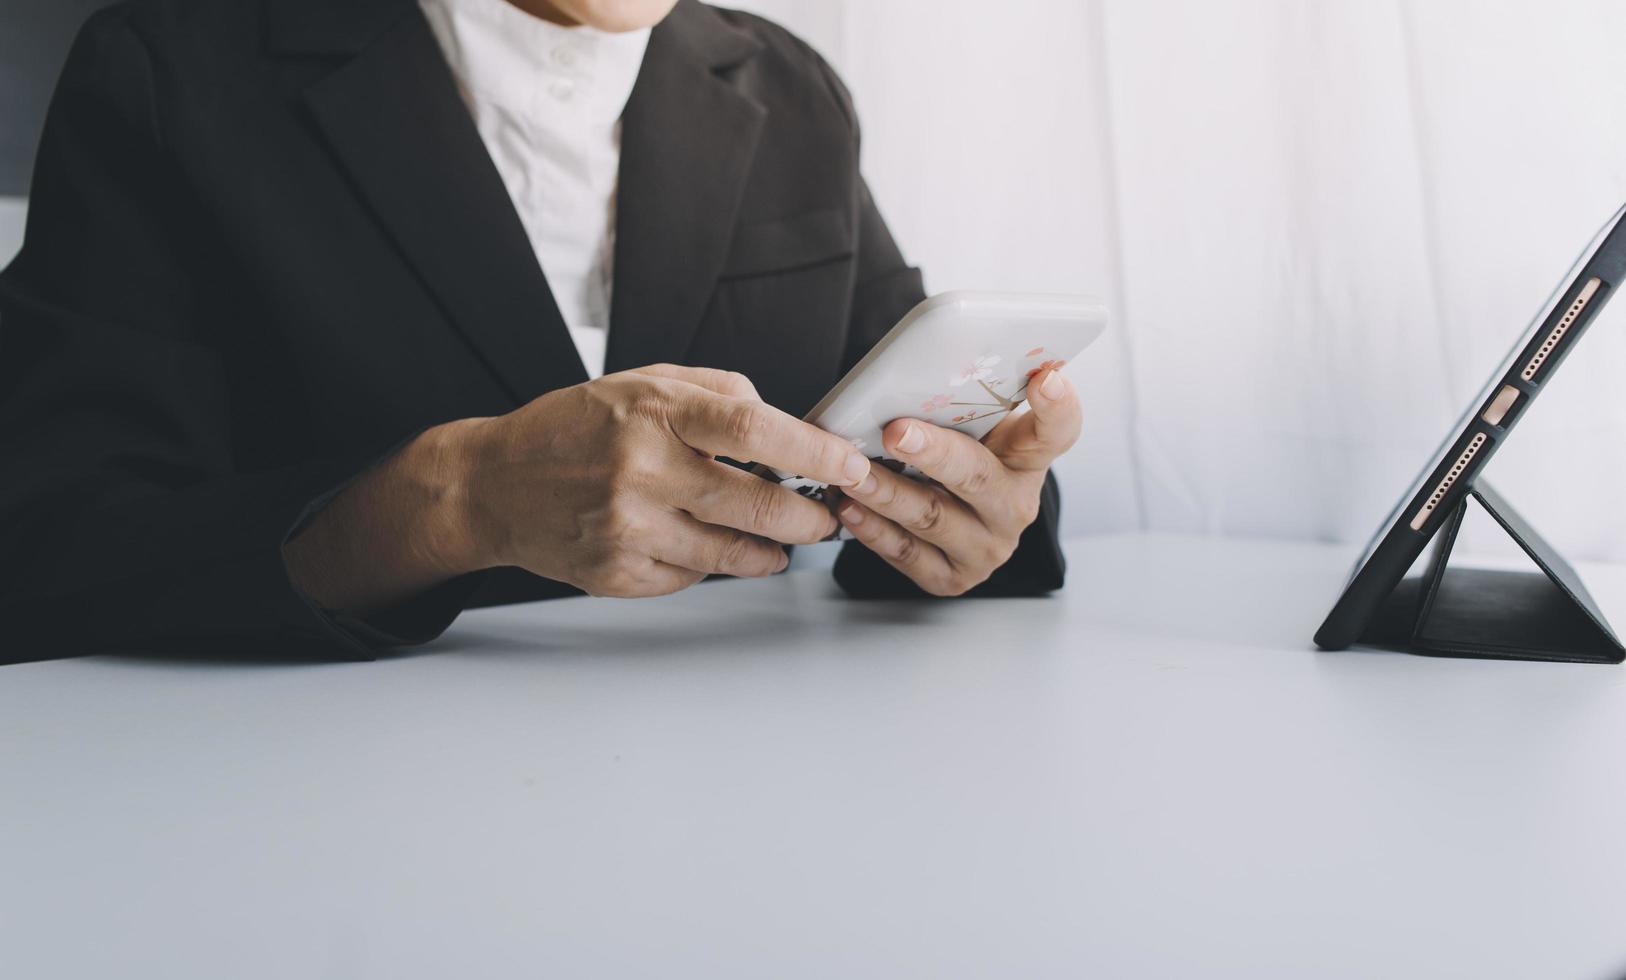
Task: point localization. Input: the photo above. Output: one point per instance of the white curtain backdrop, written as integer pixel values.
(1320, 225)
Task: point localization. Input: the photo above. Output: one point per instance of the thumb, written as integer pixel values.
(1033, 439)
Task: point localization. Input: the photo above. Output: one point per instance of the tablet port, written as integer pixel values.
(1560, 329)
(1447, 481)
(1500, 404)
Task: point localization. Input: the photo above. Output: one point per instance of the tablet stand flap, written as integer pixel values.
(1457, 611)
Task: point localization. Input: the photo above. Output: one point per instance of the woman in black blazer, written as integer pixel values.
(280, 370)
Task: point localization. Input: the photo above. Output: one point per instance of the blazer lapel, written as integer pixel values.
(393, 117)
(688, 138)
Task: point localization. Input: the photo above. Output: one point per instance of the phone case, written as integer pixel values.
(961, 360)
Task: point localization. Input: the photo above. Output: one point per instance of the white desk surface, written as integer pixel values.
(1151, 775)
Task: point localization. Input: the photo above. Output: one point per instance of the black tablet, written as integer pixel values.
(1486, 424)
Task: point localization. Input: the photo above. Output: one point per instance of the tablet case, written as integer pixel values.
(1495, 614)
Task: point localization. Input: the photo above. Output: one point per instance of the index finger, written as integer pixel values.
(964, 466)
(720, 494)
(756, 432)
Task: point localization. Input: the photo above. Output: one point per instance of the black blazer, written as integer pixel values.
(266, 245)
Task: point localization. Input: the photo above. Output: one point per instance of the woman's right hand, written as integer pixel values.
(613, 485)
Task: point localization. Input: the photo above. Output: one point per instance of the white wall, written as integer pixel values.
(1320, 225)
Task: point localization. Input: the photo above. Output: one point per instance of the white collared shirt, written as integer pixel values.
(547, 101)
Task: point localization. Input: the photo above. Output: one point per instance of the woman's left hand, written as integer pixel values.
(948, 537)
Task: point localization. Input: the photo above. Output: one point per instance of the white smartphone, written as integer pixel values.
(961, 360)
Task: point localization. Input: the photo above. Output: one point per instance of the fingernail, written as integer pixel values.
(784, 562)
(856, 468)
(1052, 386)
(866, 486)
(852, 515)
(912, 439)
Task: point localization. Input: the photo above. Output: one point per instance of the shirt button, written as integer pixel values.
(562, 89)
(565, 56)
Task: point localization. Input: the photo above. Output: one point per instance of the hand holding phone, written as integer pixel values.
(959, 360)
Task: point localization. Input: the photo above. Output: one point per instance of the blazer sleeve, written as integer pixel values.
(124, 521)
(887, 288)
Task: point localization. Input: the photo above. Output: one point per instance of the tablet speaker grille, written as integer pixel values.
(1560, 329)
(1449, 480)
